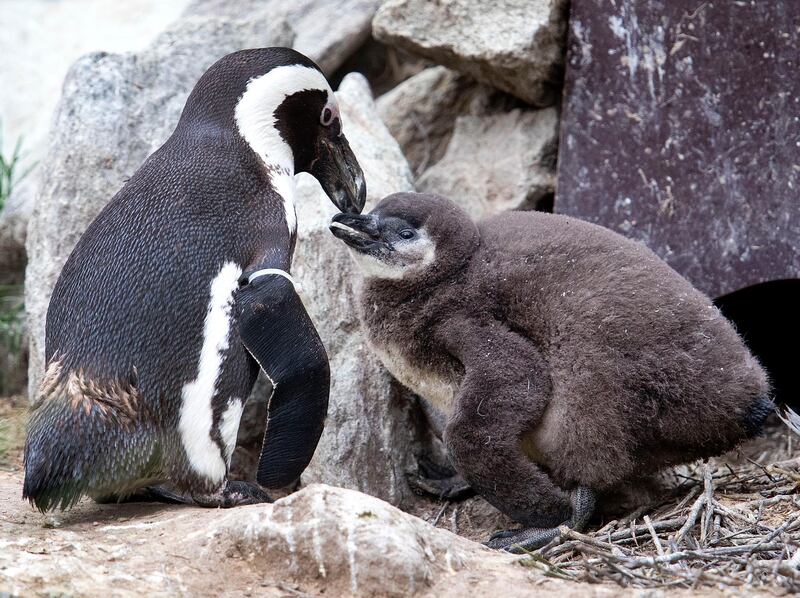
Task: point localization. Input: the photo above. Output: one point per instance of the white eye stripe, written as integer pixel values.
(255, 120)
(255, 110)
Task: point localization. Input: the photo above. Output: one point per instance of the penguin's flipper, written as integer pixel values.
(281, 337)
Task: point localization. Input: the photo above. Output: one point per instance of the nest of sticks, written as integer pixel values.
(725, 523)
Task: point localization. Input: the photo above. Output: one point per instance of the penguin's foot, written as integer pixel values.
(233, 494)
(147, 494)
(453, 488)
(435, 469)
(531, 538)
(441, 481)
(161, 494)
(524, 539)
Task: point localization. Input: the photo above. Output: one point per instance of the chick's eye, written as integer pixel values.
(326, 118)
(407, 234)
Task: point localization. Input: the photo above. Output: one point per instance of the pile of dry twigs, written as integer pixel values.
(723, 525)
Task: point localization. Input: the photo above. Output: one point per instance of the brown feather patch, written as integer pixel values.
(117, 400)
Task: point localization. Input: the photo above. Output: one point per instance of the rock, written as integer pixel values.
(385, 67)
(421, 112)
(353, 543)
(45, 37)
(328, 32)
(514, 45)
(367, 442)
(331, 31)
(680, 144)
(498, 162)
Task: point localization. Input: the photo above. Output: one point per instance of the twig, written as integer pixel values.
(752, 540)
(439, 515)
(691, 519)
(656, 541)
(708, 512)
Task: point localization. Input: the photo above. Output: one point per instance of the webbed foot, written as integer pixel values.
(441, 481)
(233, 494)
(159, 494)
(452, 488)
(162, 494)
(527, 539)
(523, 539)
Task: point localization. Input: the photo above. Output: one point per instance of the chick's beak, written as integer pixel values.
(340, 175)
(359, 231)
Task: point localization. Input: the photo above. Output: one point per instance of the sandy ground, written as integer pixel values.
(160, 550)
(122, 550)
(140, 549)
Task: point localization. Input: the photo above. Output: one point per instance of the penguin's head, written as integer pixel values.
(409, 236)
(281, 104)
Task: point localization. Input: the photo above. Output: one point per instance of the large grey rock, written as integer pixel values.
(367, 442)
(514, 45)
(352, 543)
(421, 111)
(385, 67)
(327, 31)
(498, 162)
(41, 39)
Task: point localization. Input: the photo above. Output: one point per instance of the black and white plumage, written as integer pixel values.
(179, 290)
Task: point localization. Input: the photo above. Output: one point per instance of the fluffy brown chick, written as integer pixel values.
(568, 359)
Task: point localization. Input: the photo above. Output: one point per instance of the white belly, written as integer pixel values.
(426, 384)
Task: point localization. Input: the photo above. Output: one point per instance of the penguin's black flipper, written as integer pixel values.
(281, 337)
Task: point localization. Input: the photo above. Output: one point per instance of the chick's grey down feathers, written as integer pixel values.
(569, 355)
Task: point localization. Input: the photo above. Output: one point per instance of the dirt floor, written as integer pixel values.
(100, 550)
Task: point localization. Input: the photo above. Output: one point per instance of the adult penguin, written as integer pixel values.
(179, 291)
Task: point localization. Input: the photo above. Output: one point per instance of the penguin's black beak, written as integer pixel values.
(359, 231)
(340, 175)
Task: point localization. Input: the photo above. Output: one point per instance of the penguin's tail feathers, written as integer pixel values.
(791, 419)
(86, 438)
(755, 415)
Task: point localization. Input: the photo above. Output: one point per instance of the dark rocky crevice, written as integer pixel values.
(767, 316)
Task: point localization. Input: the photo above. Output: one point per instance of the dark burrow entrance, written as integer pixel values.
(767, 315)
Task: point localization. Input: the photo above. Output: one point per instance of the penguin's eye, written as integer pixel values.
(326, 118)
(407, 233)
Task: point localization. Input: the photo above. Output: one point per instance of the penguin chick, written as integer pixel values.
(567, 358)
(179, 291)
